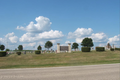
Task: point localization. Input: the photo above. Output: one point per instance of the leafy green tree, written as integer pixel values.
(48, 44)
(7, 50)
(39, 47)
(75, 46)
(15, 49)
(87, 42)
(20, 47)
(2, 47)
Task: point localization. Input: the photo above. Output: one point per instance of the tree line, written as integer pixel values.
(87, 42)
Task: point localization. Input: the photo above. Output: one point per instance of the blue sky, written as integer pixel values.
(63, 21)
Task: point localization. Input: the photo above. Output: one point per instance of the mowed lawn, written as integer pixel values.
(32, 60)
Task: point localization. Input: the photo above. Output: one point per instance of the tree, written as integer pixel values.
(2, 47)
(20, 47)
(87, 42)
(75, 46)
(7, 50)
(15, 49)
(39, 47)
(48, 44)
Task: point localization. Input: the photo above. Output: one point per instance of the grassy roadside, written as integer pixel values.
(31, 60)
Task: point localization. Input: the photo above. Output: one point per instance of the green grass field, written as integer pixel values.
(31, 60)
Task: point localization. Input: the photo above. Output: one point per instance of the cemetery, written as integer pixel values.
(63, 56)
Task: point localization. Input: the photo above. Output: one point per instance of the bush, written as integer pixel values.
(100, 49)
(19, 53)
(37, 52)
(85, 49)
(117, 49)
(112, 49)
(3, 53)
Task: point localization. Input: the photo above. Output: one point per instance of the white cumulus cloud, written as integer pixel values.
(79, 40)
(1, 41)
(99, 37)
(21, 28)
(55, 41)
(114, 40)
(43, 24)
(102, 44)
(67, 42)
(80, 32)
(9, 40)
(29, 45)
(11, 37)
(50, 35)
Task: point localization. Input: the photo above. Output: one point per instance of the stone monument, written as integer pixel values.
(69, 47)
(63, 48)
(58, 47)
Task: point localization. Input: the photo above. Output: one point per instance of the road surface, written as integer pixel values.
(89, 72)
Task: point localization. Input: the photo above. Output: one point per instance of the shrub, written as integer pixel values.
(85, 49)
(37, 52)
(112, 49)
(117, 49)
(19, 53)
(100, 49)
(3, 53)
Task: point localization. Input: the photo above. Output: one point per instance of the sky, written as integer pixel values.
(33, 22)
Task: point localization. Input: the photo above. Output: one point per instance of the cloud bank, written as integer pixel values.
(50, 35)
(40, 32)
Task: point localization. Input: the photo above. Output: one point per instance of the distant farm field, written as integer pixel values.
(32, 60)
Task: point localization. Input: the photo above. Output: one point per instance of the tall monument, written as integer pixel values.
(69, 47)
(58, 47)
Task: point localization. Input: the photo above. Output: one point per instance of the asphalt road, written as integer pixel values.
(91, 72)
